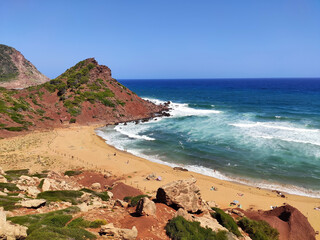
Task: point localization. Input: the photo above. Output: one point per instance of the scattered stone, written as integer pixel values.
(32, 203)
(181, 194)
(96, 186)
(146, 207)
(183, 213)
(118, 233)
(1, 171)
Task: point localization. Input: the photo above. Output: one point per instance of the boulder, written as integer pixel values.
(46, 185)
(146, 207)
(118, 233)
(1, 171)
(96, 186)
(181, 194)
(32, 203)
(10, 231)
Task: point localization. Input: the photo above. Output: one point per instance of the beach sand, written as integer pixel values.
(79, 147)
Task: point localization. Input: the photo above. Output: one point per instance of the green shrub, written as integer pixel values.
(54, 233)
(258, 230)
(103, 195)
(61, 195)
(72, 120)
(9, 203)
(72, 173)
(179, 228)
(226, 221)
(133, 201)
(80, 222)
(40, 175)
(15, 174)
(52, 226)
(9, 186)
(41, 183)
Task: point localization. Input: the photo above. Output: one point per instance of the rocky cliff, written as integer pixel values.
(17, 72)
(84, 94)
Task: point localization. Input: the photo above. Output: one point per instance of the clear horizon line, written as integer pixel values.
(225, 78)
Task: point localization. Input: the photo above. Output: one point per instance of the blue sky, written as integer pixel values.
(168, 38)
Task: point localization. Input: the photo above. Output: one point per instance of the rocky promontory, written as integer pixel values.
(84, 94)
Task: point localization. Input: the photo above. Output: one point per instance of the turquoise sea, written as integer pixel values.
(261, 132)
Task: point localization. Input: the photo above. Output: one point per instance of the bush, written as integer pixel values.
(72, 120)
(80, 222)
(9, 203)
(133, 201)
(15, 174)
(9, 186)
(179, 228)
(226, 221)
(103, 195)
(72, 173)
(61, 195)
(52, 226)
(258, 230)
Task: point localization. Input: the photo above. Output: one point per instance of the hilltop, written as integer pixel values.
(16, 72)
(86, 93)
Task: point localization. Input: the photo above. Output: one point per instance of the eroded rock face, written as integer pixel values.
(146, 207)
(181, 194)
(118, 233)
(289, 221)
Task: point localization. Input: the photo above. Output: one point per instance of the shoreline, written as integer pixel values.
(80, 147)
(270, 186)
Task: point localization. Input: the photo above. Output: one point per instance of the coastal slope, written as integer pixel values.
(85, 93)
(16, 71)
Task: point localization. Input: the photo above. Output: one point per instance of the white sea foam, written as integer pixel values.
(132, 131)
(111, 139)
(183, 109)
(288, 133)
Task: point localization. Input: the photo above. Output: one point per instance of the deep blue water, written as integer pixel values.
(263, 132)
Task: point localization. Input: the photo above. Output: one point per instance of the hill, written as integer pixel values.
(16, 71)
(86, 93)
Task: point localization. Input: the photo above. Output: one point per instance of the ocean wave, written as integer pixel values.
(132, 131)
(184, 110)
(266, 125)
(291, 189)
(280, 132)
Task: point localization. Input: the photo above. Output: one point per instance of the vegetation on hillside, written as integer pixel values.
(8, 70)
(226, 220)
(54, 225)
(179, 228)
(258, 230)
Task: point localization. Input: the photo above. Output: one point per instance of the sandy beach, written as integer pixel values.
(79, 147)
